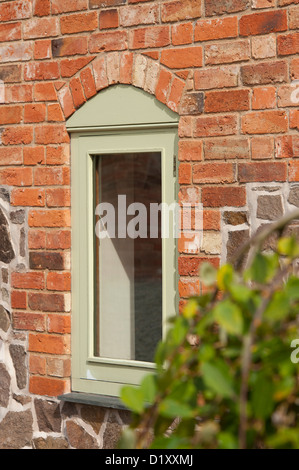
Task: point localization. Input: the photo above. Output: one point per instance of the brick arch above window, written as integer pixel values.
(122, 68)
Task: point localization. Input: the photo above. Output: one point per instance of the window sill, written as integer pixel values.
(93, 399)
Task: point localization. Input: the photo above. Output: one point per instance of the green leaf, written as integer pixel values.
(149, 388)
(278, 308)
(288, 246)
(175, 409)
(133, 398)
(263, 268)
(179, 330)
(262, 397)
(208, 274)
(225, 276)
(217, 380)
(127, 439)
(229, 317)
(240, 293)
(190, 309)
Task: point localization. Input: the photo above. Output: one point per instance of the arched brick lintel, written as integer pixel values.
(124, 68)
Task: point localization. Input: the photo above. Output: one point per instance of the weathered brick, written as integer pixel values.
(149, 37)
(263, 46)
(41, 71)
(55, 113)
(221, 196)
(294, 17)
(216, 77)
(59, 281)
(264, 73)
(263, 23)
(105, 3)
(222, 101)
(51, 387)
(51, 134)
(100, 72)
(182, 33)
(16, 52)
(294, 170)
(58, 155)
(46, 302)
(88, 83)
(190, 265)
(46, 260)
(207, 30)
(265, 122)
(34, 155)
(163, 85)
(37, 364)
(185, 173)
(10, 114)
(42, 8)
(28, 197)
(28, 280)
(71, 5)
(213, 173)
(294, 119)
(224, 53)
(214, 7)
(190, 150)
(17, 135)
(59, 323)
(109, 19)
(45, 92)
(262, 171)
(77, 92)
(29, 321)
(18, 299)
(69, 46)
(42, 49)
(108, 41)
(34, 112)
(138, 15)
(125, 67)
(10, 32)
(264, 97)
(188, 287)
(209, 126)
(79, 22)
(10, 156)
(262, 148)
(70, 67)
(58, 240)
(288, 44)
(40, 28)
(66, 101)
(256, 4)
(181, 10)
(51, 176)
(15, 10)
(49, 344)
(192, 103)
(36, 239)
(227, 148)
(58, 197)
(20, 93)
(10, 73)
(181, 58)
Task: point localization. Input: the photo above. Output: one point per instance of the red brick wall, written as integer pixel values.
(225, 65)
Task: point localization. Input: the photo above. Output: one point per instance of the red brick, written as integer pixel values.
(69, 46)
(216, 77)
(36, 239)
(188, 287)
(42, 49)
(18, 299)
(149, 37)
(262, 147)
(263, 23)
(109, 19)
(294, 170)
(213, 173)
(282, 3)
(185, 173)
(190, 150)
(108, 41)
(294, 68)
(190, 265)
(222, 101)
(79, 22)
(185, 126)
(17, 135)
(175, 94)
(58, 197)
(18, 93)
(60, 324)
(262, 171)
(71, 5)
(48, 386)
(51, 176)
(182, 33)
(55, 113)
(221, 196)
(16, 52)
(58, 367)
(10, 73)
(215, 7)
(16, 10)
(66, 101)
(70, 67)
(284, 146)
(10, 114)
(100, 73)
(59, 281)
(34, 112)
(58, 155)
(28, 197)
(294, 119)
(181, 10)
(46, 302)
(40, 28)
(37, 365)
(209, 126)
(10, 156)
(263, 4)
(88, 83)
(34, 155)
(264, 73)
(29, 321)
(207, 30)
(265, 122)
(59, 240)
(224, 53)
(46, 260)
(181, 58)
(51, 134)
(28, 280)
(77, 92)
(10, 32)
(288, 44)
(42, 8)
(125, 68)
(264, 97)
(49, 344)
(49, 218)
(163, 85)
(45, 92)
(228, 148)
(41, 71)
(211, 221)
(294, 18)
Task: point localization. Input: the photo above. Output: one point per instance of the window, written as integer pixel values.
(124, 143)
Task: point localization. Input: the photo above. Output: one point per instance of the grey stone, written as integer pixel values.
(22, 242)
(79, 438)
(294, 196)
(18, 355)
(269, 207)
(48, 415)
(112, 435)
(5, 294)
(17, 217)
(6, 249)
(16, 430)
(4, 275)
(235, 217)
(269, 189)
(235, 241)
(93, 416)
(4, 386)
(4, 319)
(23, 399)
(4, 194)
(50, 443)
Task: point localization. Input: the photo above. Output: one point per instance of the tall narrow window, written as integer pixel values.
(123, 270)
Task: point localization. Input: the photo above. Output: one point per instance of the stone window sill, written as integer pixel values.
(93, 399)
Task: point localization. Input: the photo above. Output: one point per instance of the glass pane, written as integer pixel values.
(129, 256)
